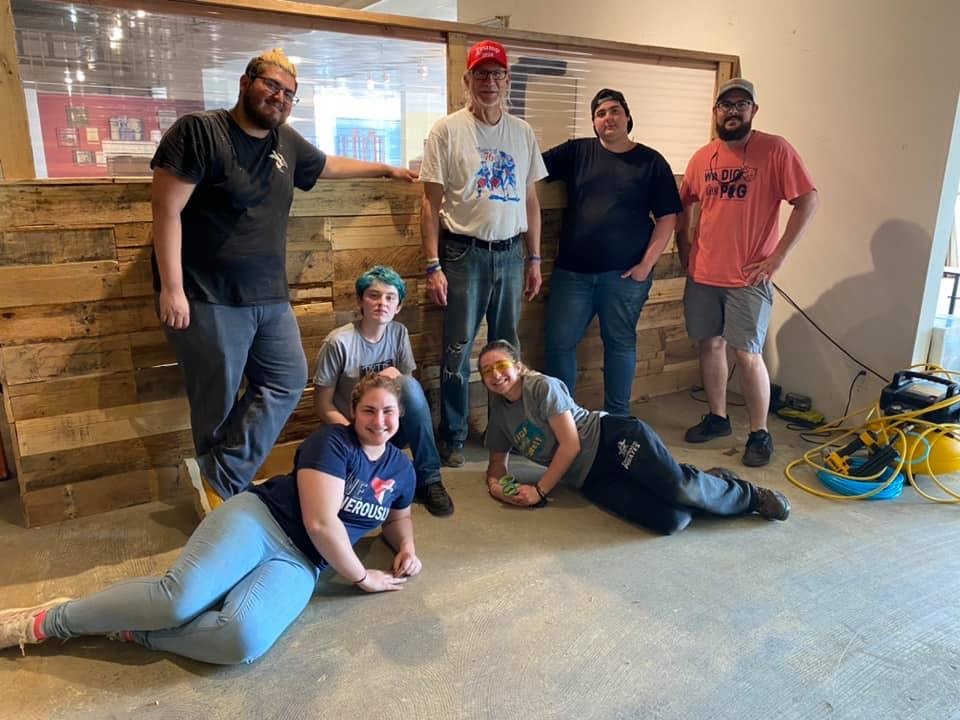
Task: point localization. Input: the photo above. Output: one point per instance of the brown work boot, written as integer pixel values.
(771, 504)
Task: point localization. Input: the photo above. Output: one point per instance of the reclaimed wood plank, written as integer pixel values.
(65, 321)
(25, 205)
(358, 197)
(103, 425)
(666, 290)
(71, 358)
(84, 463)
(50, 246)
(23, 285)
(109, 492)
(61, 396)
(405, 259)
(378, 231)
(134, 235)
(149, 348)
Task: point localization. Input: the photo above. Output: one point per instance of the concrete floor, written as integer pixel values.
(848, 610)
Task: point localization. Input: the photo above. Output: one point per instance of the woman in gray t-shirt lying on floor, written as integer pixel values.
(615, 461)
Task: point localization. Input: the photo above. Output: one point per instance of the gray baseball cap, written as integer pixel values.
(738, 84)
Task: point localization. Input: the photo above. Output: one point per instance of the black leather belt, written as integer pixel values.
(491, 245)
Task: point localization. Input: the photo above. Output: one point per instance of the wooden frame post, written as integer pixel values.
(16, 154)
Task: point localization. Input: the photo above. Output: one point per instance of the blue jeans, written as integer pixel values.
(635, 476)
(237, 585)
(480, 283)
(416, 430)
(223, 345)
(574, 299)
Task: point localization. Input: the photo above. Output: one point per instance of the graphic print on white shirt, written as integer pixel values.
(497, 177)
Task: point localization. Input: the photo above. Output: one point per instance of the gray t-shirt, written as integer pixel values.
(524, 426)
(346, 356)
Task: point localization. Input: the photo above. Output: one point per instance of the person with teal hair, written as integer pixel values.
(377, 343)
(382, 274)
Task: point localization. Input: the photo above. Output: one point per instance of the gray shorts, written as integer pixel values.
(740, 315)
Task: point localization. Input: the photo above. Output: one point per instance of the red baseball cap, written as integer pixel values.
(487, 51)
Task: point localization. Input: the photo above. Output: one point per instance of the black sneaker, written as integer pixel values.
(759, 449)
(771, 504)
(435, 499)
(710, 426)
(452, 455)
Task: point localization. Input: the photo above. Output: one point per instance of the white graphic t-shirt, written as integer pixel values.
(484, 170)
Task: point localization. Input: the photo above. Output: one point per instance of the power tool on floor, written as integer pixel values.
(879, 454)
(910, 391)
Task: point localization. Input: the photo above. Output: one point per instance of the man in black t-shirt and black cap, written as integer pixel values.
(622, 206)
(222, 188)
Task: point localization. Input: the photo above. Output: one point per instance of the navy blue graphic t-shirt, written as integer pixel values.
(372, 488)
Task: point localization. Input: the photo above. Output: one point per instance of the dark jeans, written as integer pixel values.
(636, 477)
(416, 430)
(223, 345)
(480, 283)
(574, 299)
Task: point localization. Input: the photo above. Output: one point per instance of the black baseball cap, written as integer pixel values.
(607, 94)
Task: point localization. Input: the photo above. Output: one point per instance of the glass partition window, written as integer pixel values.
(103, 84)
(670, 106)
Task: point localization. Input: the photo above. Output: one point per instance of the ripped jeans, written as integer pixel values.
(481, 283)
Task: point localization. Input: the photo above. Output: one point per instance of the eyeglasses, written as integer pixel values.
(484, 74)
(274, 87)
(740, 106)
(500, 366)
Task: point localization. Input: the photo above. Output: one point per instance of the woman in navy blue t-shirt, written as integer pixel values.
(251, 566)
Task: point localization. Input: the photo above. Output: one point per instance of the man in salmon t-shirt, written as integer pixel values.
(739, 181)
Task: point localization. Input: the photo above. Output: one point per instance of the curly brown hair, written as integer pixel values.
(374, 381)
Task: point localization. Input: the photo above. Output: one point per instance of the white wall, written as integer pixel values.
(867, 91)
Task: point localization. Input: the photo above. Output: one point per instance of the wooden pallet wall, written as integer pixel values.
(92, 396)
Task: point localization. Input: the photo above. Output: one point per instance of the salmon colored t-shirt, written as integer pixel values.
(740, 192)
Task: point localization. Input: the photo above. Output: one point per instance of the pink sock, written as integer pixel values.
(38, 625)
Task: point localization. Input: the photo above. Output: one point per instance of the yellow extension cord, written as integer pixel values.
(889, 428)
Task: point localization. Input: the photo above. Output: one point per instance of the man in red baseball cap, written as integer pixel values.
(480, 210)
(487, 50)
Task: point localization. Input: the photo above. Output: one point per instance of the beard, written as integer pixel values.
(737, 133)
(259, 116)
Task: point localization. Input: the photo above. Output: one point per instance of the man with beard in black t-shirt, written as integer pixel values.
(222, 188)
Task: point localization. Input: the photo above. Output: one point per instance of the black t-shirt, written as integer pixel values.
(610, 197)
(234, 226)
(372, 488)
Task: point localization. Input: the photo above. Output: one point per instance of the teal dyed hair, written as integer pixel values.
(381, 273)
